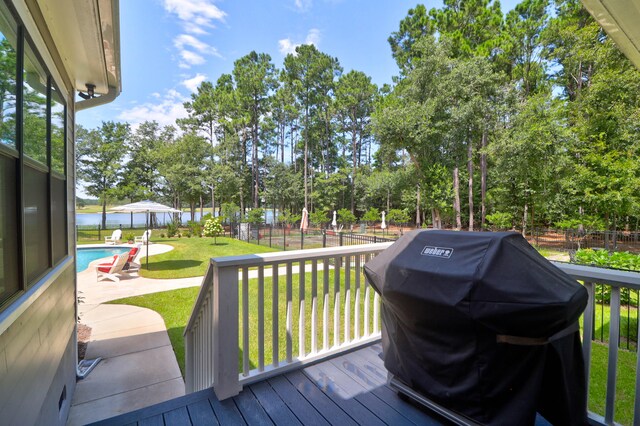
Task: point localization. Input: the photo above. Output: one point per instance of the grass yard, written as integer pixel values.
(175, 307)
(190, 256)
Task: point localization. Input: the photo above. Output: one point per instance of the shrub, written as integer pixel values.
(500, 220)
(130, 236)
(172, 229)
(346, 217)
(398, 216)
(213, 228)
(256, 215)
(372, 215)
(318, 217)
(617, 260)
(194, 228)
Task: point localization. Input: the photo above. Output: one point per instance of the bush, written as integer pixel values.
(255, 216)
(617, 260)
(318, 217)
(346, 217)
(172, 229)
(500, 220)
(194, 228)
(398, 216)
(372, 215)
(213, 228)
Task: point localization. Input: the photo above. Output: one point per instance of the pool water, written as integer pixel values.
(84, 256)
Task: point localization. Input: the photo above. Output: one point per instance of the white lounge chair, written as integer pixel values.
(143, 238)
(114, 238)
(132, 264)
(109, 270)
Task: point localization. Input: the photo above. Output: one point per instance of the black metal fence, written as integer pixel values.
(286, 237)
(575, 239)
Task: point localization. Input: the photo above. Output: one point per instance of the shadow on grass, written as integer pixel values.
(219, 244)
(167, 265)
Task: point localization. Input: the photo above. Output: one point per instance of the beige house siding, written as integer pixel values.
(38, 356)
(38, 353)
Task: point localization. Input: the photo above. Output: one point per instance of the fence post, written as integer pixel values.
(301, 239)
(284, 238)
(340, 238)
(270, 232)
(225, 332)
(99, 227)
(258, 233)
(375, 239)
(324, 238)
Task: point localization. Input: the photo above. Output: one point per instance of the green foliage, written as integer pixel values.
(586, 221)
(230, 211)
(398, 216)
(372, 215)
(346, 217)
(129, 236)
(500, 220)
(195, 228)
(255, 216)
(213, 228)
(318, 217)
(172, 229)
(616, 260)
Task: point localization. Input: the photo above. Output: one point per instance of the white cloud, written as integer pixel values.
(193, 83)
(286, 45)
(313, 37)
(190, 58)
(196, 15)
(303, 5)
(169, 108)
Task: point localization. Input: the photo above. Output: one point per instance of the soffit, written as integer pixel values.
(86, 35)
(621, 21)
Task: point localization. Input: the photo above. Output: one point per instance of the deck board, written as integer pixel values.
(347, 390)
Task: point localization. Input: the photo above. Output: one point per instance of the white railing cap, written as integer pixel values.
(296, 255)
(601, 275)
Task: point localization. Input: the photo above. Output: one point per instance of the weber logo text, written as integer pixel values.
(443, 252)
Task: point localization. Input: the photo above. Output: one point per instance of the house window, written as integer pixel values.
(33, 169)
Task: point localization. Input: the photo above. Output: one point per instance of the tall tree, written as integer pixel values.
(355, 95)
(101, 153)
(255, 77)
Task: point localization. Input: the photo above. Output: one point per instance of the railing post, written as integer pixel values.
(225, 332)
(324, 238)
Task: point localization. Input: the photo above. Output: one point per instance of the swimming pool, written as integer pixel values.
(84, 256)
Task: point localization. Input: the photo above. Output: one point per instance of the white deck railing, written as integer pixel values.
(286, 309)
(342, 311)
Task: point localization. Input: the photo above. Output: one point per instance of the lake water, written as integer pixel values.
(114, 220)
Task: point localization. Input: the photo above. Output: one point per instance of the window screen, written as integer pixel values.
(36, 225)
(58, 219)
(9, 282)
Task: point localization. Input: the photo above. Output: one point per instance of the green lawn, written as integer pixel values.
(190, 256)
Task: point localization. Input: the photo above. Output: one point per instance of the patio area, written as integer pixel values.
(138, 366)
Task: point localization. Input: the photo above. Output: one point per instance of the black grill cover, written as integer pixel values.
(483, 324)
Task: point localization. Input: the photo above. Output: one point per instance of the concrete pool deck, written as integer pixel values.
(138, 366)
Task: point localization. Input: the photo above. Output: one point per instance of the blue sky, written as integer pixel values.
(170, 46)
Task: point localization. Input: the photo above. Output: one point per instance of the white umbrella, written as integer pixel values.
(334, 222)
(304, 223)
(146, 207)
(383, 225)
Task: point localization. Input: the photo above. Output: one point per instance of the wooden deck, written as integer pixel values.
(347, 390)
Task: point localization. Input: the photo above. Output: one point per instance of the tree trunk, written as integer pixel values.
(524, 220)
(483, 180)
(470, 171)
(418, 206)
(213, 203)
(354, 147)
(456, 197)
(201, 207)
(435, 218)
(104, 213)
